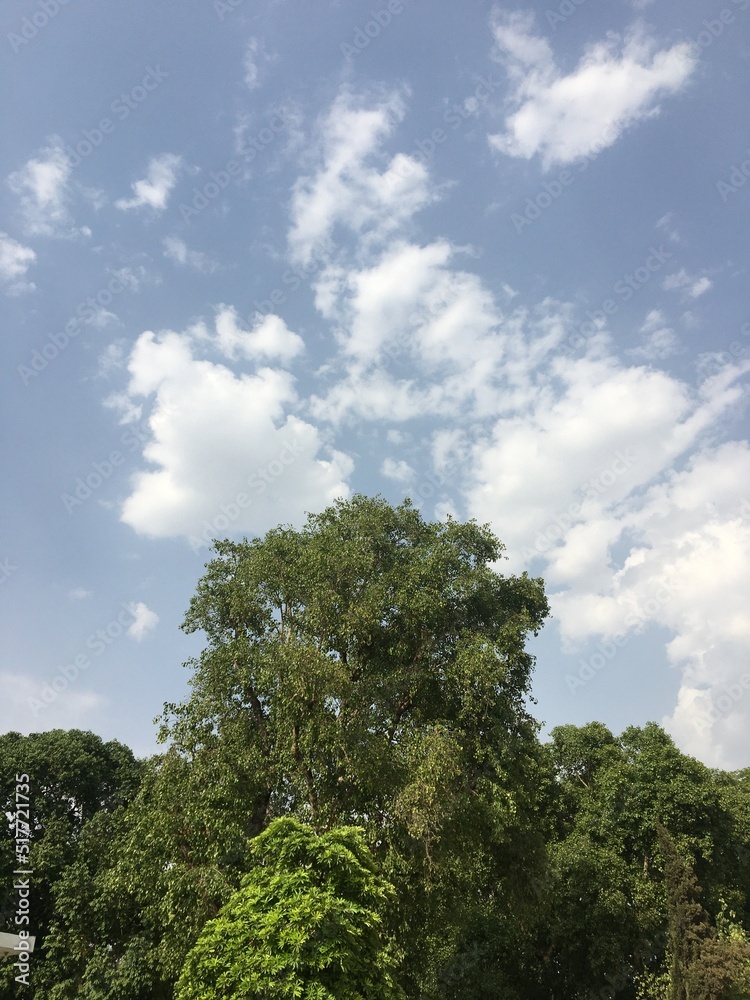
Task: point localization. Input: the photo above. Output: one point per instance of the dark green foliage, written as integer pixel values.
(73, 777)
(607, 922)
(702, 966)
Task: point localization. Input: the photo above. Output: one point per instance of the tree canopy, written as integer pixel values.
(354, 802)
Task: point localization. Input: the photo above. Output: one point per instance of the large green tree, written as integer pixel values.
(369, 669)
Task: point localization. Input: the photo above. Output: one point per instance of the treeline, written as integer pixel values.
(354, 802)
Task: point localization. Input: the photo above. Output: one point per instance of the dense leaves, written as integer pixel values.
(73, 777)
(306, 924)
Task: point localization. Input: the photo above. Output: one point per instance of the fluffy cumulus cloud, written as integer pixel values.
(15, 260)
(227, 455)
(268, 339)
(144, 621)
(42, 187)
(565, 116)
(687, 570)
(154, 189)
(410, 305)
(354, 184)
(612, 485)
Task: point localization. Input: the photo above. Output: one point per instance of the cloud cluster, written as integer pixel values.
(601, 472)
(354, 184)
(594, 471)
(565, 116)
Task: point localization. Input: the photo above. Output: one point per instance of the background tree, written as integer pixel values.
(702, 966)
(146, 880)
(306, 924)
(73, 776)
(606, 927)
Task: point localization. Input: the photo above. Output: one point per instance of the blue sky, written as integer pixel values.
(258, 256)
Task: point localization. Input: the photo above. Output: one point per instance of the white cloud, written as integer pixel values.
(269, 338)
(133, 278)
(252, 73)
(692, 285)
(688, 570)
(354, 187)
(111, 359)
(155, 188)
(667, 225)
(144, 620)
(42, 186)
(177, 250)
(589, 481)
(400, 470)
(410, 305)
(101, 318)
(563, 117)
(15, 260)
(227, 455)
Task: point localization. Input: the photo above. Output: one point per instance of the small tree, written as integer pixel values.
(305, 925)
